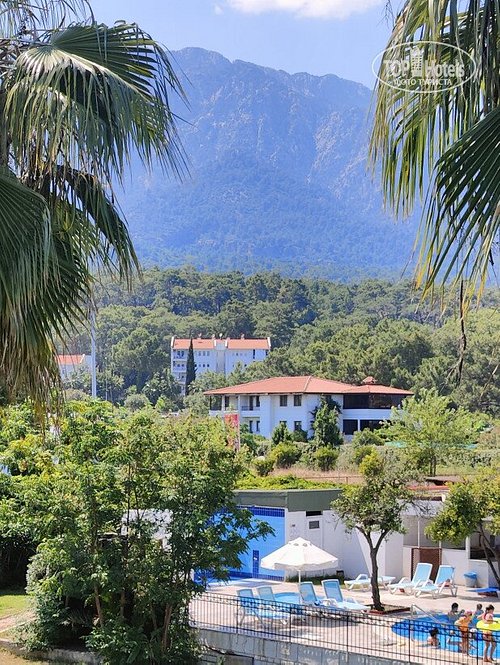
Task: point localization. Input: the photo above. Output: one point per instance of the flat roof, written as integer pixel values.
(292, 500)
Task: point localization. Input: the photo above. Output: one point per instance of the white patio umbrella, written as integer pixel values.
(299, 555)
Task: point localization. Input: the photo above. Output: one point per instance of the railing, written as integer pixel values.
(398, 637)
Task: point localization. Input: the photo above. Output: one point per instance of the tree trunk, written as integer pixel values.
(98, 606)
(490, 553)
(377, 603)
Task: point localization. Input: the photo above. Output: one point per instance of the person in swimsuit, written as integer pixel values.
(454, 613)
(463, 624)
(433, 639)
(489, 640)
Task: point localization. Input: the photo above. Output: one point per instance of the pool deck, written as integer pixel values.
(372, 636)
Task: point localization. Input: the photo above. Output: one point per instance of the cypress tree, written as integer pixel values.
(190, 367)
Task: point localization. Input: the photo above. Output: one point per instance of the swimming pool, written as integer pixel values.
(449, 635)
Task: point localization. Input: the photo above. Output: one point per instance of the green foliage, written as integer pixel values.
(136, 402)
(190, 369)
(359, 453)
(472, 506)
(123, 509)
(432, 430)
(367, 437)
(325, 458)
(285, 455)
(326, 431)
(281, 435)
(290, 482)
(375, 508)
(263, 465)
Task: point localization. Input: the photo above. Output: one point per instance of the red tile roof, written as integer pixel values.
(248, 344)
(310, 385)
(179, 343)
(71, 359)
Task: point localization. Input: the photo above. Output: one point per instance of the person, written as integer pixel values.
(463, 624)
(454, 613)
(479, 611)
(489, 640)
(433, 640)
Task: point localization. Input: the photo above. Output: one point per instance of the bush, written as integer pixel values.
(285, 455)
(300, 436)
(366, 437)
(136, 402)
(360, 452)
(325, 458)
(263, 465)
(280, 435)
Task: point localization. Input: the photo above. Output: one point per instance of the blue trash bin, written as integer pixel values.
(470, 579)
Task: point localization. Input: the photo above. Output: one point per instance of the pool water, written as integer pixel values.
(449, 635)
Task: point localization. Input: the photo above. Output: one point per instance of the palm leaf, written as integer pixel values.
(462, 221)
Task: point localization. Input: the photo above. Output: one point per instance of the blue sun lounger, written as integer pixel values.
(253, 608)
(335, 598)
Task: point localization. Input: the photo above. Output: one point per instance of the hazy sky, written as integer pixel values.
(318, 36)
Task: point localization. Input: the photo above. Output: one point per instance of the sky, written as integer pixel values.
(339, 37)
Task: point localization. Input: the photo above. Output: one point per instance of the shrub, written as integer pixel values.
(360, 452)
(281, 434)
(285, 455)
(299, 435)
(263, 465)
(366, 437)
(326, 458)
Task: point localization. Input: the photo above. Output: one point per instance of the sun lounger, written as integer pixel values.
(335, 598)
(444, 581)
(420, 577)
(308, 595)
(253, 608)
(363, 582)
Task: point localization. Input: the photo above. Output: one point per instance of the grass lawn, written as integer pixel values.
(12, 602)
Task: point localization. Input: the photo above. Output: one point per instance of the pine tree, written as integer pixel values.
(190, 367)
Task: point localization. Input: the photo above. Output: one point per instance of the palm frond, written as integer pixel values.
(462, 222)
(99, 93)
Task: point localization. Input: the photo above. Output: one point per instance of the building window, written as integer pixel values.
(314, 524)
(283, 400)
(226, 402)
(250, 426)
(370, 424)
(297, 425)
(350, 426)
(283, 422)
(297, 400)
(313, 513)
(257, 400)
(257, 425)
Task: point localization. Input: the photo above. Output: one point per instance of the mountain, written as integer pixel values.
(277, 177)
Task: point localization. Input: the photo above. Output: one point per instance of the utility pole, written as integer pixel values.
(92, 353)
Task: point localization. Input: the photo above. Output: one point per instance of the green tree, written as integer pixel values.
(325, 424)
(281, 435)
(375, 507)
(451, 133)
(190, 368)
(432, 430)
(76, 98)
(123, 511)
(472, 506)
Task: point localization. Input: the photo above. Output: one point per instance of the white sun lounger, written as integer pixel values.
(420, 578)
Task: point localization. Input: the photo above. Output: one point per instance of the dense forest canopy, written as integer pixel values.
(330, 329)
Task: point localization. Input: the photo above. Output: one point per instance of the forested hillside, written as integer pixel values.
(277, 178)
(336, 330)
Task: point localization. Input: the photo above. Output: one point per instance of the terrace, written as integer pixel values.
(318, 635)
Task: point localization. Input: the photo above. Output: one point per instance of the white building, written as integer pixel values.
(68, 364)
(262, 405)
(216, 354)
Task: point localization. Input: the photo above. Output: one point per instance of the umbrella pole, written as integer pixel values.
(299, 576)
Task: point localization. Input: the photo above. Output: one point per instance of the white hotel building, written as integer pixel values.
(216, 354)
(262, 405)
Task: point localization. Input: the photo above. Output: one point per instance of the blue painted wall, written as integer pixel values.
(258, 548)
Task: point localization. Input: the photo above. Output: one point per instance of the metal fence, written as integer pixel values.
(400, 637)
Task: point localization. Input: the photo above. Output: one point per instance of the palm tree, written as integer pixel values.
(77, 99)
(452, 135)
